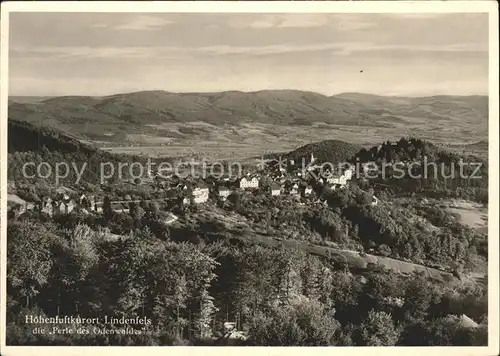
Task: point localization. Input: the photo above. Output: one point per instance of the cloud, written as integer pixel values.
(417, 15)
(264, 50)
(281, 21)
(139, 23)
(338, 48)
(348, 22)
(54, 54)
(138, 52)
(368, 47)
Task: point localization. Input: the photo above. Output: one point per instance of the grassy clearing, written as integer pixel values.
(353, 259)
(470, 213)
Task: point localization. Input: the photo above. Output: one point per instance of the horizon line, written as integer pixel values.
(246, 92)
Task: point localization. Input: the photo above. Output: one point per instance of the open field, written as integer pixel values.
(470, 213)
(236, 142)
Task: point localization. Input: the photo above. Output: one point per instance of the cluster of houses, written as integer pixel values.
(65, 205)
(279, 181)
(61, 206)
(283, 180)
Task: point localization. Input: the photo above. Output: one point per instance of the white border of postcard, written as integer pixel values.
(490, 7)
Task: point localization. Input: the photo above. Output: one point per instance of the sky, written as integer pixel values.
(387, 54)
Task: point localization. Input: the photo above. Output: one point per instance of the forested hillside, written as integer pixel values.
(415, 165)
(111, 118)
(215, 263)
(32, 144)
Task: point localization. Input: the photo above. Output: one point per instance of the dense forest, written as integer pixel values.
(58, 268)
(332, 151)
(187, 279)
(418, 166)
(350, 220)
(28, 143)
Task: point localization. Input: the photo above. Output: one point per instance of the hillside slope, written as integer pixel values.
(31, 144)
(112, 118)
(332, 151)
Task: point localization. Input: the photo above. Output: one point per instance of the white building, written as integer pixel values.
(64, 207)
(181, 186)
(46, 206)
(224, 192)
(200, 194)
(249, 183)
(275, 189)
(335, 179)
(308, 190)
(348, 173)
(295, 189)
(170, 219)
(120, 208)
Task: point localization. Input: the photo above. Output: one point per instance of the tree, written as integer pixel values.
(447, 331)
(344, 293)
(165, 281)
(138, 214)
(235, 199)
(378, 330)
(304, 322)
(106, 208)
(29, 259)
(419, 294)
(384, 250)
(77, 258)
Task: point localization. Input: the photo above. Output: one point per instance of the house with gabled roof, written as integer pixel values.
(223, 192)
(46, 206)
(63, 207)
(276, 189)
(348, 172)
(249, 182)
(337, 179)
(200, 193)
(308, 190)
(466, 322)
(120, 207)
(170, 219)
(87, 203)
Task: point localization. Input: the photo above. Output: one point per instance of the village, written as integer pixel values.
(274, 178)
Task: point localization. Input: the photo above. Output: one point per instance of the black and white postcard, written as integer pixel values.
(240, 175)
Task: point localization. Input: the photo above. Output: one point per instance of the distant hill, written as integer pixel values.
(25, 137)
(28, 99)
(332, 151)
(481, 145)
(480, 148)
(112, 118)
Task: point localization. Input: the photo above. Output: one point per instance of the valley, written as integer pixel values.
(159, 123)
